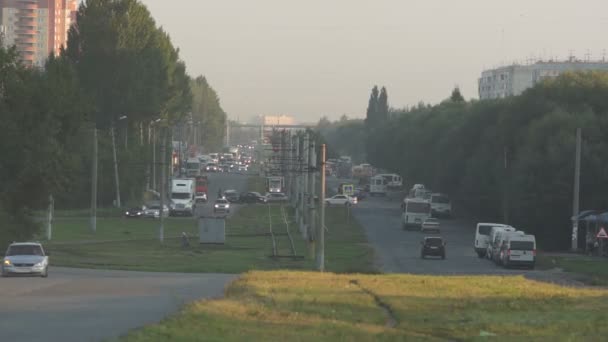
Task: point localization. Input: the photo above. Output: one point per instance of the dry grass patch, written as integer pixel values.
(305, 306)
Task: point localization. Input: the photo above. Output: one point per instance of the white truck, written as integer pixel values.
(415, 212)
(193, 167)
(182, 197)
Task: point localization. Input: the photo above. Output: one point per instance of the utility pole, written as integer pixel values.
(577, 176)
(311, 199)
(116, 181)
(161, 228)
(505, 190)
(154, 158)
(296, 199)
(93, 222)
(304, 189)
(321, 229)
(49, 227)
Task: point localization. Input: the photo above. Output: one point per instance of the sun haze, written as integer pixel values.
(317, 57)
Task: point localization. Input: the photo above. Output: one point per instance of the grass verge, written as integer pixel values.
(130, 244)
(589, 270)
(302, 306)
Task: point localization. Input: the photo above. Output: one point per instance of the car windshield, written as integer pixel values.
(485, 229)
(180, 195)
(440, 199)
(434, 242)
(221, 201)
(192, 166)
(154, 207)
(522, 245)
(24, 250)
(417, 207)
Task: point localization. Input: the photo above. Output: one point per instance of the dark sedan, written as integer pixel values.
(253, 197)
(134, 212)
(231, 195)
(432, 246)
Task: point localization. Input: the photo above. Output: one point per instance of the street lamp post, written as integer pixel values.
(116, 178)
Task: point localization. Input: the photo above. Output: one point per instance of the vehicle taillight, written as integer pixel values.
(534, 252)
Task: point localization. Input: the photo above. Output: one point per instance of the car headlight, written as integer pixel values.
(172, 205)
(139, 213)
(216, 206)
(40, 264)
(7, 262)
(127, 213)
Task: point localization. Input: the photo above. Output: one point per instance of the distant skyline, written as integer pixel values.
(314, 58)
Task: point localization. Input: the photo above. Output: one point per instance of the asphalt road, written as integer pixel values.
(223, 181)
(398, 250)
(91, 305)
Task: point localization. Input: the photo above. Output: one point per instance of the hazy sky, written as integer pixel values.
(311, 58)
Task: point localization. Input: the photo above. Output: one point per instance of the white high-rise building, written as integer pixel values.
(514, 79)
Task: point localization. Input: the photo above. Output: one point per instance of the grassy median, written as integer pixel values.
(589, 270)
(132, 244)
(306, 306)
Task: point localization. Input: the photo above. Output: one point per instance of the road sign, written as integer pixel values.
(348, 189)
(602, 234)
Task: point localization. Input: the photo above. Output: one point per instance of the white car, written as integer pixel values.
(341, 200)
(153, 210)
(25, 258)
(430, 225)
(221, 205)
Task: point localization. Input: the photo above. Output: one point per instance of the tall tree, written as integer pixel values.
(456, 95)
(371, 118)
(382, 107)
(208, 114)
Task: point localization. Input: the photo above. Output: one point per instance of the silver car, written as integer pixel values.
(221, 205)
(25, 258)
(153, 210)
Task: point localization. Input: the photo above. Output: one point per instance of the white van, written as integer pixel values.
(494, 239)
(441, 205)
(377, 186)
(415, 212)
(482, 237)
(501, 239)
(519, 250)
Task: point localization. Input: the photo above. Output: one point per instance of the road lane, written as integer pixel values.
(223, 181)
(398, 250)
(93, 305)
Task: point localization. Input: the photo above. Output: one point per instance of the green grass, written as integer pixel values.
(308, 306)
(133, 244)
(66, 229)
(590, 270)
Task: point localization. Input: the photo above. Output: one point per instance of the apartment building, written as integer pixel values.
(514, 79)
(37, 28)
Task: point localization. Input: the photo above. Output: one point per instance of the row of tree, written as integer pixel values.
(119, 75)
(503, 160)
